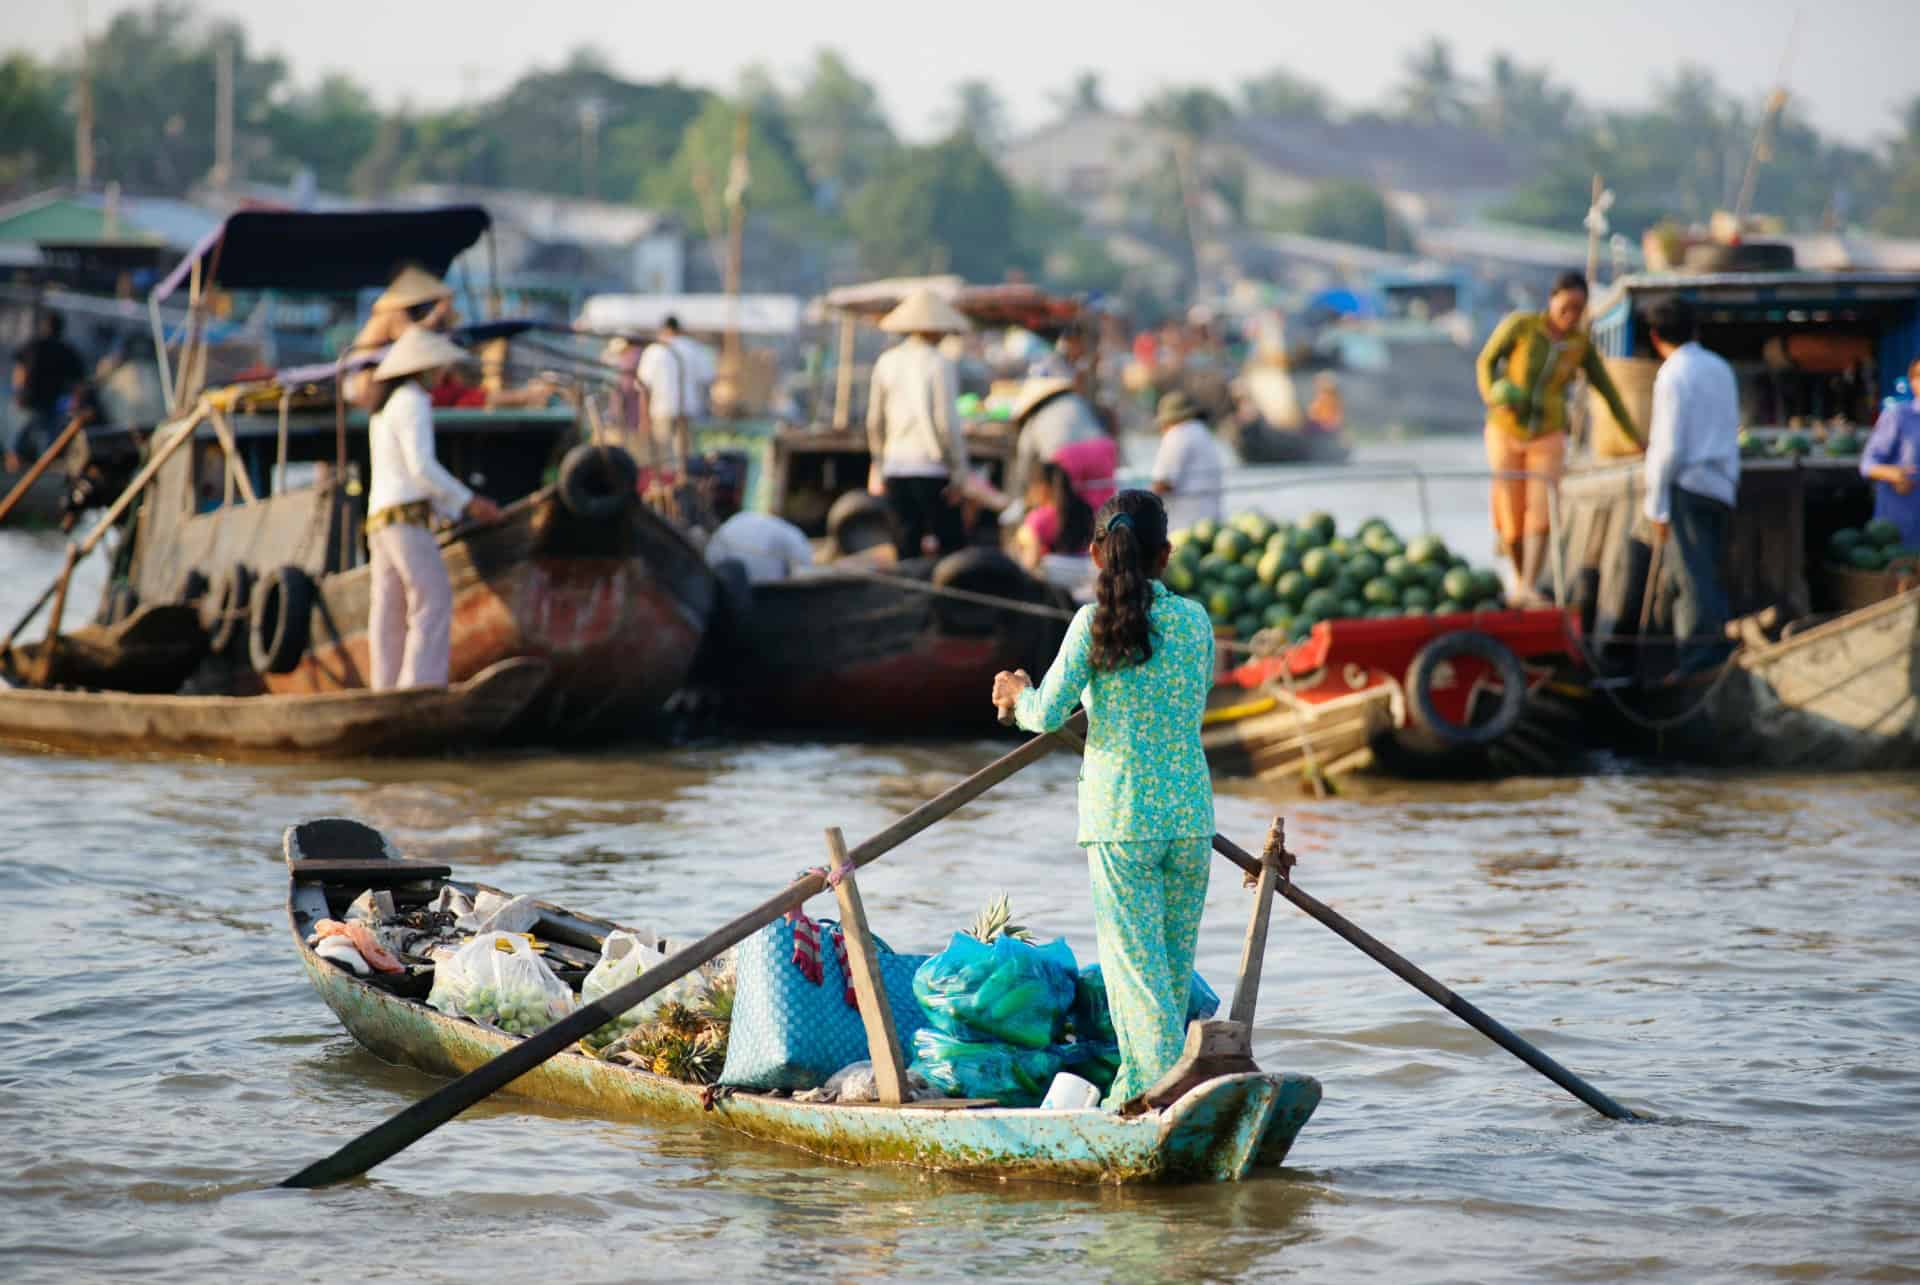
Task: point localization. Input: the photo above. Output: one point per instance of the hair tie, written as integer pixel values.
(1119, 521)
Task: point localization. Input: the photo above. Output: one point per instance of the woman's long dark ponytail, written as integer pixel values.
(1131, 533)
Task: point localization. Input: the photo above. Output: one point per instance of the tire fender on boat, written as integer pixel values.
(1435, 661)
(223, 609)
(982, 571)
(598, 482)
(858, 522)
(277, 622)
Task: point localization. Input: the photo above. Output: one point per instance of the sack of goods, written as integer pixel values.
(498, 978)
(1255, 573)
(623, 957)
(1006, 990)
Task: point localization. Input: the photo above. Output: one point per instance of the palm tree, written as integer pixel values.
(1083, 97)
(980, 113)
(1434, 92)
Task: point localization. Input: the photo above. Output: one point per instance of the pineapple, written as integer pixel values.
(993, 921)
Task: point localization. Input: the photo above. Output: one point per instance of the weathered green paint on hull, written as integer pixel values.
(1221, 1130)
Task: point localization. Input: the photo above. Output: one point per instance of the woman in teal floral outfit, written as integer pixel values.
(1141, 660)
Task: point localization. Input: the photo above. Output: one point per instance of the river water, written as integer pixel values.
(1733, 954)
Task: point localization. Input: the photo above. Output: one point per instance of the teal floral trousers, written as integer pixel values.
(1147, 898)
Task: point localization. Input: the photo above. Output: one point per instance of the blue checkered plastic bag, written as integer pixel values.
(790, 1033)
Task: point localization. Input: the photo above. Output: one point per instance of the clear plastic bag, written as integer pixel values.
(623, 957)
(500, 979)
(1004, 990)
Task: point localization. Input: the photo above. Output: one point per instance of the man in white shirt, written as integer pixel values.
(913, 433)
(1189, 473)
(770, 548)
(410, 620)
(1693, 477)
(676, 372)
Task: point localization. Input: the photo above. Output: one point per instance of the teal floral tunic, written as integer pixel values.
(1144, 775)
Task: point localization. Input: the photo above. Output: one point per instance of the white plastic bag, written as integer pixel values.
(499, 978)
(494, 913)
(623, 957)
(856, 1082)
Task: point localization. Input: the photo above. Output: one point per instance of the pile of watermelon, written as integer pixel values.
(1255, 573)
(1874, 547)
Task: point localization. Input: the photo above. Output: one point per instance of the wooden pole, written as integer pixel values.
(869, 988)
(1246, 991)
(843, 376)
(236, 475)
(429, 1113)
(39, 466)
(43, 666)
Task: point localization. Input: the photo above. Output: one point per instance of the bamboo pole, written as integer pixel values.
(843, 375)
(43, 664)
(40, 466)
(869, 988)
(1246, 991)
(236, 475)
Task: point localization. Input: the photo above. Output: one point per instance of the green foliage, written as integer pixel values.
(328, 129)
(1345, 210)
(35, 141)
(1901, 214)
(1434, 92)
(944, 208)
(778, 184)
(1281, 95)
(840, 127)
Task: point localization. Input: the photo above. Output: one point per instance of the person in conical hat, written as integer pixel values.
(410, 625)
(415, 297)
(913, 433)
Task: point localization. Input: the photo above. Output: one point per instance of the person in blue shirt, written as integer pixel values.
(1892, 463)
(1141, 659)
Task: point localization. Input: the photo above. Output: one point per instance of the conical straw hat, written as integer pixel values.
(413, 286)
(1035, 391)
(924, 313)
(416, 351)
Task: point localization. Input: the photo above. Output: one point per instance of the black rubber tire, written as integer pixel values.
(858, 522)
(1425, 670)
(223, 611)
(982, 571)
(278, 620)
(193, 587)
(598, 483)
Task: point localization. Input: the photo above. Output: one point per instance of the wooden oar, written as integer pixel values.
(1407, 972)
(41, 465)
(429, 1113)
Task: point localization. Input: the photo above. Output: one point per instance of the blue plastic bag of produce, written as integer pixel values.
(1014, 1077)
(1093, 1017)
(1003, 990)
(789, 1032)
(1095, 1061)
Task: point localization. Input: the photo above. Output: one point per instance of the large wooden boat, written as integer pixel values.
(1225, 1129)
(253, 523)
(1828, 681)
(416, 720)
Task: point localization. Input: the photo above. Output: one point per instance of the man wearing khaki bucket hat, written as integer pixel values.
(410, 624)
(919, 455)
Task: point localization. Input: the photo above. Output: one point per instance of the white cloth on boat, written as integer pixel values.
(341, 951)
(1189, 462)
(494, 912)
(410, 621)
(1693, 439)
(771, 548)
(405, 469)
(856, 1082)
(911, 427)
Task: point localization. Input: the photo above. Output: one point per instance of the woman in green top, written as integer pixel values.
(1141, 660)
(1524, 371)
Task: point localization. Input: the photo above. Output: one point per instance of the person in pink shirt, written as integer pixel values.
(1091, 465)
(1059, 520)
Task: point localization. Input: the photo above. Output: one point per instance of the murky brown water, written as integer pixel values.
(1738, 954)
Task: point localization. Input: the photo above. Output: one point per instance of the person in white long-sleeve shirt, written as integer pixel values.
(676, 370)
(410, 623)
(914, 436)
(1693, 478)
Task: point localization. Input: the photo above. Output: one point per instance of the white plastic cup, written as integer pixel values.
(1069, 1092)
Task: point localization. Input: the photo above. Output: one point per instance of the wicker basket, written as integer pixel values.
(1837, 588)
(1633, 376)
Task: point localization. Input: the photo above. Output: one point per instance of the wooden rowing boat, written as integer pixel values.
(418, 720)
(1223, 1129)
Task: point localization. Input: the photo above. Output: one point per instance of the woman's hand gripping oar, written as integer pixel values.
(429, 1113)
(1407, 972)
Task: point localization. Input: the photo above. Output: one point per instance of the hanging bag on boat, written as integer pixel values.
(795, 1021)
(499, 978)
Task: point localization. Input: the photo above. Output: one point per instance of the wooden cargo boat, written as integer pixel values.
(1226, 1128)
(417, 720)
(1829, 682)
(251, 509)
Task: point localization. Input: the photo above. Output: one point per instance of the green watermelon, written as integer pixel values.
(1843, 542)
(1417, 596)
(1381, 592)
(1400, 571)
(1231, 544)
(1750, 445)
(1223, 604)
(1486, 584)
(1259, 597)
(1189, 553)
(1257, 527)
(1457, 584)
(1204, 531)
(1253, 558)
(1320, 565)
(1238, 576)
(1844, 442)
(1321, 603)
(1279, 616)
(1866, 557)
(1246, 625)
(1212, 567)
(1347, 584)
(1352, 608)
(1489, 604)
(1272, 566)
(1179, 577)
(1452, 607)
(1303, 624)
(1178, 540)
(1371, 525)
(1382, 543)
(1383, 613)
(1321, 524)
(1363, 566)
(1883, 533)
(1428, 548)
(1341, 546)
(1293, 587)
(1414, 609)
(1792, 444)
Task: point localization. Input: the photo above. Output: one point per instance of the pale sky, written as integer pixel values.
(1853, 62)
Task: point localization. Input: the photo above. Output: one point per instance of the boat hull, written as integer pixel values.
(616, 609)
(423, 720)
